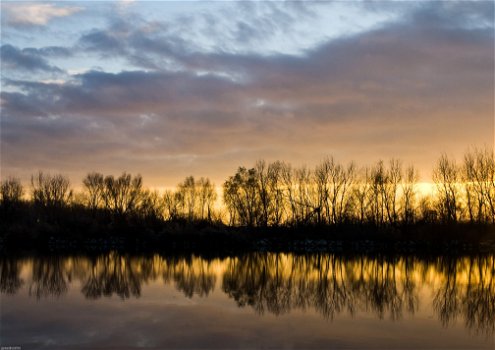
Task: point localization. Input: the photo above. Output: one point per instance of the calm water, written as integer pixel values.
(252, 301)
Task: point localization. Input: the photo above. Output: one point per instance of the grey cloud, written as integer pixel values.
(266, 18)
(384, 92)
(146, 44)
(26, 59)
(455, 14)
(101, 41)
(55, 51)
(19, 105)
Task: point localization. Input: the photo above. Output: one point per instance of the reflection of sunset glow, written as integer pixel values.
(277, 283)
(282, 266)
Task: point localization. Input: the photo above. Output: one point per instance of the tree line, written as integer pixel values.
(278, 194)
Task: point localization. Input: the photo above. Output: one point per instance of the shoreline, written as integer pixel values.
(460, 238)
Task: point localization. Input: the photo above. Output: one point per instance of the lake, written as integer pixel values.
(256, 300)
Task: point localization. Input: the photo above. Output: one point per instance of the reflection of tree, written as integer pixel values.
(277, 283)
(473, 298)
(328, 283)
(50, 277)
(381, 291)
(191, 275)
(410, 296)
(10, 281)
(260, 280)
(480, 297)
(117, 274)
(446, 301)
(245, 280)
(330, 293)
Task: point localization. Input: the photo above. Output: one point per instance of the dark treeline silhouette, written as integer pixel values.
(388, 286)
(383, 197)
(385, 194)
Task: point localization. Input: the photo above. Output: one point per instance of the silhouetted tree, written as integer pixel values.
(389, 187)
(445, 176)
(409, 195)
(305, 196)
(242, 198)
(51, 190)
(478, 175)
(11, 191)
(207, 197)
(362, 195)
(94, 186)
(427, 211)
(193, 200)
(378, 179)
(122, 194)
(263, 192)
(172, 203)
(333, 182)
(188, 197)
(273, 194)
(289, 185)
(151, 205)
(276, 191)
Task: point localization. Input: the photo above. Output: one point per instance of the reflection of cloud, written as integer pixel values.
(36, 14)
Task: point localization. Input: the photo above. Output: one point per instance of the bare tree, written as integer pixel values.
(51, 190)
(275, 188)
(409, 195)
(341, 180)
(378, 179)
(122, 194)
(11, 191)
(306, 207)
(94, 185)
(263, 191)
(389, 189)
(445, 176)
(290, 189)
(171, 202)
(322, 175)
(151, 205)
(478, 175)
(362, 194)
(230, 190)
(242, 197)
(427, 210)
(207, 198)
(188, 196)
(474, 194)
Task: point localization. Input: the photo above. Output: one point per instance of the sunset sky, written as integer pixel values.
(170, 89)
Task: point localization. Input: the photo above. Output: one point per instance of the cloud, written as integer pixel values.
(410, 89)
(35, 13)
(101, 41)
(29, 59)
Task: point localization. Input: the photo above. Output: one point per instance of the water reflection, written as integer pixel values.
(10, 280)
(386, 286)
(330, 284)
(114, 274)
(50, 277)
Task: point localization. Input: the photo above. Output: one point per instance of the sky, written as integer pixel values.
(170, 89)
